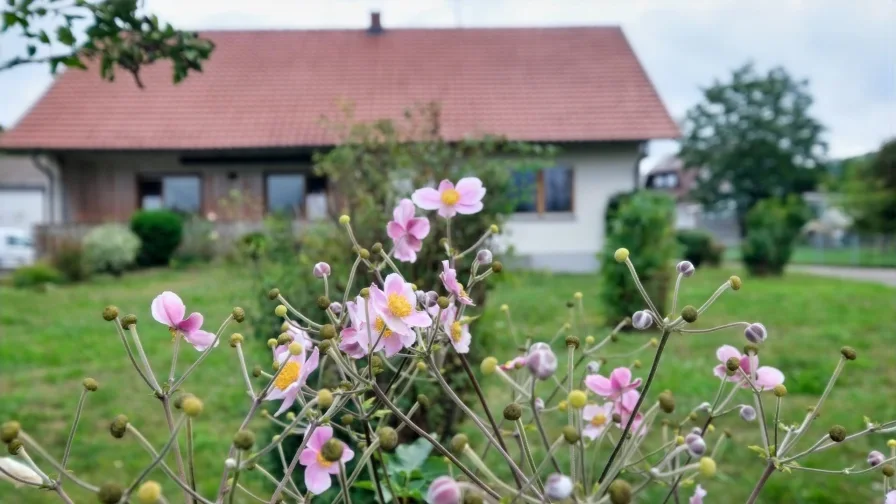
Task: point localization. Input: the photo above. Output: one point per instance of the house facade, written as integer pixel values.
(237, 140)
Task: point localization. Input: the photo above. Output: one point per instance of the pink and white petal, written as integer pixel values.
(191, 323)
(308, 457)
(407, 340)
(427, 198)
(447, 211)
(347, 454)
(590, 410)
(378, 301)
(462, 346)
(620, 378)
(394, 285)
(468, 209)
(320, 436)
(599, 385)
(394, 323)
(445, 185)
(720, 371)
(288, 399)
(471, 190)
(417, 319)
(891, 497)
(309, 366)
(726, 352)
(275, 394)
(418, 227)
(591, 432)
(201, 340)
(749, 363)
(317, 479)
(634, 383)
(167, 308)
(392, 345)
(395, 230)
(408, 292)
(404, 252)
(404, 212)
(768, 377)
(628, 400)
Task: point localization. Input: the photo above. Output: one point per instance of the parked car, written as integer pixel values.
(16, 248)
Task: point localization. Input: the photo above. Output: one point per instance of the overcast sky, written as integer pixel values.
(846, 48)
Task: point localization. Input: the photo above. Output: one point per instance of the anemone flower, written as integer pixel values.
(318, 469)
(465, 198)
(167, 308)
(407, 231)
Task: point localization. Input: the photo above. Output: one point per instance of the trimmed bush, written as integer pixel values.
(700, 247)
(69, 260)
(36, 275)
(773, 227)
(643, 224)
(613, 205)
(716, 254)
(160, 232)
(198, 243)
(110, 248)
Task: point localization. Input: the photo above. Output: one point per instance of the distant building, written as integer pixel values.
(24, 193)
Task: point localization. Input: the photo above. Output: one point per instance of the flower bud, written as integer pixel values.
(484, 256)
(557, 487)
(256, 371)
(751, 349)
(636, 364)
(679, 440)
(570, 304)
(888, 470)
(539, 404)
(489, 365)
(589, 340)
(620, 255)
(14, 446)
(149, 493)
(192, 406)
(295, 348)
(642, 319)
(689, 314)
(273, 293)
(570, 434)
(118, 426)
(423, 400)
(322, 269)
(685, 268)
(332, 450)
(388, 438)
(230, 463)
(562, 405)
(442, 301)
(323, 302)
(755, 333)
(707, 467)
(90, 384)
(238, 314)
(577, 399)
(735, 282)
(617, 418)
(377, 248)
(327, 331)
(497, 267)
(848, 353)
(335, 307)
(620, 491)
(280, 310)
(542, 363)
(891, 443)
(324, 398)
(593, 367)
(513, 412)
(344, 219)
(236, 339)
(667, 401)
(284, 339)
(444, 490)
(875, 458)
(325, 345)
(747, 413)
(572, 341)
(732, 364)
(110, 313)
(128, 320)
(458, 443)
(244, 439)
(837, 433)
(364, 253)
(695, 444)
(9, 431)
(109, 493)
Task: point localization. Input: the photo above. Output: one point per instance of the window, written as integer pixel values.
(544, 191)
(182, 193)
(285, 193)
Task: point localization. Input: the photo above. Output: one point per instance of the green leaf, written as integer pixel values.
(412, 456)
(9, 19)
(65, 35)
(31, 50)
(44, 37)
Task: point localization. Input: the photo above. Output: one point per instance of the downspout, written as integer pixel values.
(642, 153)
(53, 180)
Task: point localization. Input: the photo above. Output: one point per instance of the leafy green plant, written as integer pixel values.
(110, 248)
(36, 275)
(160, 232)
(69, 260)
(411, 469)
(198, 243)
(773, 227)
(699, 247)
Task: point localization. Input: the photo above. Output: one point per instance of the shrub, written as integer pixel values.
(36, 275)
(69, 260)
(198, 242)
(716, 254)
(700, 247)
(613, 205)
(160, 232)
(773, 227)
(110, 248)
(642, 223)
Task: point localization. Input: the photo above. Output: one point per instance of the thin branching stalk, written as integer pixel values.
(172, 441)
(177, 338)
(295, 460)
(71, 434)
(178, 458)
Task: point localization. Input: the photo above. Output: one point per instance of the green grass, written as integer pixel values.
(847, 256)
(808, 319)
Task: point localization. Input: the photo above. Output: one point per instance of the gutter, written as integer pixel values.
(53, 180)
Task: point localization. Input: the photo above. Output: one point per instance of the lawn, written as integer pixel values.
(865, 256)
(51, 340)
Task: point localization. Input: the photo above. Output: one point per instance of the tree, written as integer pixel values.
(752, 138)
(870, 190)
(115, 32)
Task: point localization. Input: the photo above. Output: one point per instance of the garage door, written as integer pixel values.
(21, 208)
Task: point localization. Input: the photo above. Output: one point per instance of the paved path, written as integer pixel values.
(886, 276)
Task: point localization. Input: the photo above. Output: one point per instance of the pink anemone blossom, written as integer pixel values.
(458, 334)
(890, 497)
(597, 419)
(357, 339)
(515, 363)
(407, 231)
(167, 308)
(618, 387)
(449, 280)
(699, 494)
(465, 198)
(396, 304)
(767, 377)
(293, 372)
(318, 469)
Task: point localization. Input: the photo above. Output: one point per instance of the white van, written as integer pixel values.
(16, 248)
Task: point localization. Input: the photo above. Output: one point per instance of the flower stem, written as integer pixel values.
(769, 469)
(166, 405)
(172, 441)
(190, 464)
(295, 460)
(71, 434)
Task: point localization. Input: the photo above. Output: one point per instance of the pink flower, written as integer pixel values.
(699, 494)
(298, 335)
(356, 340)
(167, 308)
(598, 418)
(458, 334)
(767, 377)
(617, 387)
(449, 200)
(396, 303)
(443, 490)
(449, 280)
(890, 497)
(407, 231)
(294, 373)
(516, 363)
(317, 468)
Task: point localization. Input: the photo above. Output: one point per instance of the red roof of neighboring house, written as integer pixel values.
(271, 88)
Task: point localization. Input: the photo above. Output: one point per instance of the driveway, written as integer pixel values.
(886, 276)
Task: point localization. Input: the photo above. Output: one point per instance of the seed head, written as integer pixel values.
(755, 333)
(325, 345)
(497, 267)
(323, 302)
(9, 431)
(707, 467)
(14, 446)
(891, 443)
(732, 364)
(239, 315)
(679, 440)
(848, 353)
(284, 339)
(236, 339)
(572, 341)
(90, 384)
(443, 302)
(493, 229)
(458, 443)
(620, 255)
(735, 282)
(571, 434)
(751, 349)
(332, 450)
(780, 390)
(344, 219)
(667, 401)
(192, 406)
(273, 293)
(620, 492)
(244, 439)
(149, 493)
(423, 400)
(577, 399)
(888, 470)
(689, 314)
(513, 412)
(642, 319)
(128, 320)
(388, 438)
(119, 426)
(589, 340)
(109, 493)
(280, 310)
(327, 331)
(577, 295)
(837, 433)
(110, 313)
(324, 398)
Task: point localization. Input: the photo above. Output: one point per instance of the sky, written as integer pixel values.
(845, 48)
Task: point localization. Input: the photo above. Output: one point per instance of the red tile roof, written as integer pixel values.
(270, 89)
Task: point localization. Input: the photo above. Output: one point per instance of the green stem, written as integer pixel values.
(71, 434)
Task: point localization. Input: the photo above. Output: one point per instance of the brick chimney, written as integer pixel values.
(375, 26)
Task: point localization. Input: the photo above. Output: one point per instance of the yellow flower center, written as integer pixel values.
(463, 293)
(288, 376)
(450, 196)
(322, 461)
(380, 325)
(599, 420)
(399, 305)
(456, 332)
(173, 331)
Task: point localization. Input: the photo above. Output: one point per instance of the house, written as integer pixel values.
(251, 120)
(24, 187)
(669, 176)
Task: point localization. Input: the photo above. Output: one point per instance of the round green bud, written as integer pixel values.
(577, 399)
(344, 219)
(9, 431)
(617, 418)
(570, 304)
(273, 293)
(458, 443)
(689, 314)
(110, 313)
(364, 253)
(443, 302)
(109, 493)
(707, 467)
(423, 400)
(667, 402)
(14, 446)
(692, 416)
(513, 412)
(365, 292)
(327, 331)
(421, 366)
(376, 361)
(493, 229)
(497, 267)
(735, 282)
(325, 345)
(636, 364)
(324, 398)
(284, 339)
(236, 339)
(888, 470)
(780, 390)
(323, 302)
(238, 314)
(891, 443)
(388, 438)
(295, 348)
(272, 343)
(589, 340)
(192, 406)
(280, 310)
(149, 493)
(119, 426)
(732, 364)
(332, 450)
(848, 353)
(347, 419)
(377, 248)
(489, 365)
(244, 439)
(572, 341)
(620, 491)
(570, 434)
(472, 498)
(621, 254)
(128, 320)
(837, 433)
(751, 349)
(679, 440)
(256, 371)
(90, 384)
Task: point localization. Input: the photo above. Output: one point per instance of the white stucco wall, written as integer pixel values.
(569, 242)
